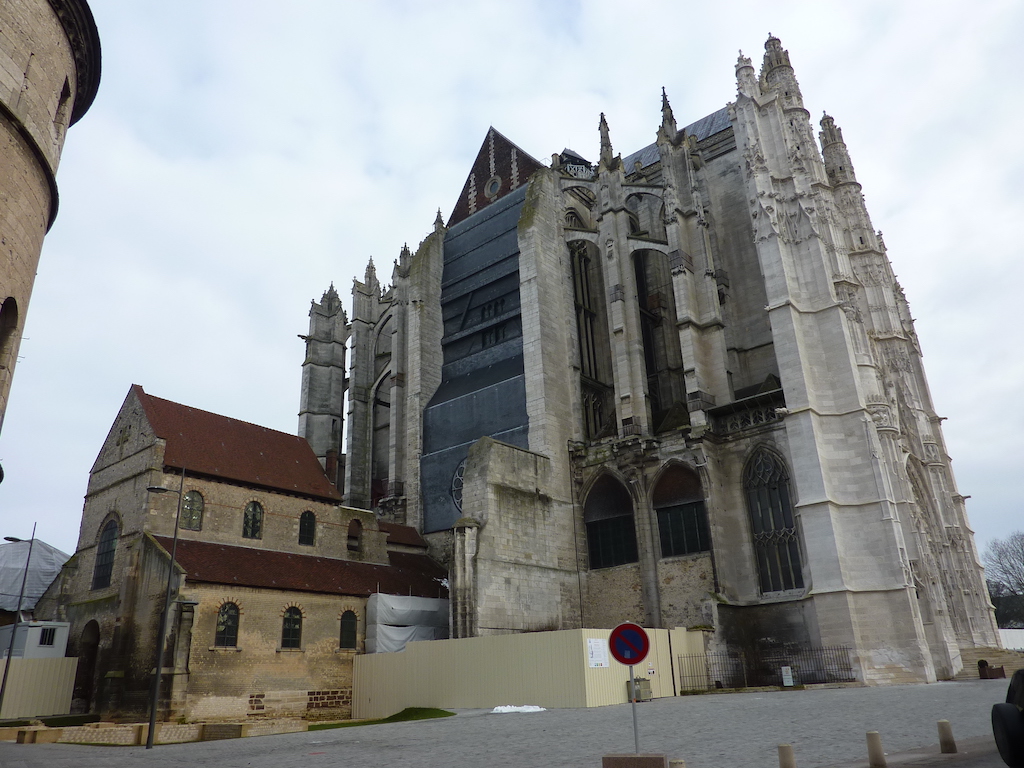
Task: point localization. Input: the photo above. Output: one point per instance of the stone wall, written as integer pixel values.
(258, 678)
(39, 83)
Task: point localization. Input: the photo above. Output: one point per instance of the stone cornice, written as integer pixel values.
(76, 18)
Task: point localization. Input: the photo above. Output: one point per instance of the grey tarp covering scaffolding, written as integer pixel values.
(394, 620)
(46, 564)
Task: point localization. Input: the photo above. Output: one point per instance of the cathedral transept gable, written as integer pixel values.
(500, 168)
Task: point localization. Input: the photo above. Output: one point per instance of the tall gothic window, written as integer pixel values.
(192, 511)
(776, 543)
(307, 529)
(593, 347)
(227, 626)
(104, 567)
(348, 630)
(252, 521)
(291, 628)
(663, 363)
(608, 514)
(682, 517)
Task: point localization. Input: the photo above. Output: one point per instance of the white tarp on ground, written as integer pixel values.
(1012, 638)
(42, 570)
(394, 620)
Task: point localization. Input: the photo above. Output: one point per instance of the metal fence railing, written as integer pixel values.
(738, 669)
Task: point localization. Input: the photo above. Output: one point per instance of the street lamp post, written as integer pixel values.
(154, 691)
(17, 613)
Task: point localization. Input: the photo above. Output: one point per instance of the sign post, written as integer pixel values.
(629, 645)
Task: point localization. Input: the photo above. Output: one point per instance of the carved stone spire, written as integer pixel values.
(330, 301)
(669, 130)
(838, 165)
(607, 158)
(777, 74)
(439, 221)
(746, 79)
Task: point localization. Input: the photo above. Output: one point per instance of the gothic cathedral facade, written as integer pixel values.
(681, 388)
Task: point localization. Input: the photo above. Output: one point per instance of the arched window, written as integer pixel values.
(663, 362)
(592, 336)
(307, 529)
(227, 626)
(252, 522)
(608, 514)
(776, 543)
(291, 628)
(8, 327)
(682, 517)
(104, 567)
(355, 536)
(192, 511)
(348, 630)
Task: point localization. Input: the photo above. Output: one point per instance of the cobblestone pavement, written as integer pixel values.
(826, 728)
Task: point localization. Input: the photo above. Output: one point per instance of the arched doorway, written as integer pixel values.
(83, 698)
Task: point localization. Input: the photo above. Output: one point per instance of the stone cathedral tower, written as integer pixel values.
(681, 388)
(49, 74)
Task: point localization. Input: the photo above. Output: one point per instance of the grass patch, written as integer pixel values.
(410, 713)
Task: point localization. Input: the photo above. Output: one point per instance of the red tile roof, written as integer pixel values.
(210, 444)
(403, 534)
(210, 563)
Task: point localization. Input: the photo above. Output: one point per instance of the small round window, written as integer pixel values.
(492, 186)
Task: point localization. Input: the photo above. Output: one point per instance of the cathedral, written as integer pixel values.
(680, 387)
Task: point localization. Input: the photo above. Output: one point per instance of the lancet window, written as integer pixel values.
(776, 542)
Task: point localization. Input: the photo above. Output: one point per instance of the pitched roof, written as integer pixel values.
(500, 168)
(707, 126)
(402, 534)
(408, 574)
(207, 443)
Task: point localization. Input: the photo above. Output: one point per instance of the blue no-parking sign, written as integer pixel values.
(629, 644)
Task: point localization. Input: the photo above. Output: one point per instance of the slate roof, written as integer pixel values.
(402, 534)
(707, 126)
(211, 563)
(210, 444)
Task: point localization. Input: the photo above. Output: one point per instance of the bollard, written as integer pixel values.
(786, 759)
(947, 744)
(876, 756)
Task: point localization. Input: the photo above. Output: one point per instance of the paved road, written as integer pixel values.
(825, 727)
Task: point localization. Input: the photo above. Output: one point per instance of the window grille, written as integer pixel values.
(683, 529)
(105, 556)
(776, 543)
(348, 630)
(252, 522)
(47, 635)
(291, 628)
(227, 626)
(307, 529)
(192, 505)
(611, 535)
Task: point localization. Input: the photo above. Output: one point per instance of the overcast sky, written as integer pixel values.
(241, 156)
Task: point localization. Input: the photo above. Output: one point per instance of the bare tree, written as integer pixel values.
(1004, 563)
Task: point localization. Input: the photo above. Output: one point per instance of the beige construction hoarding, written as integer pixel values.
(568, 668)
(38, 687)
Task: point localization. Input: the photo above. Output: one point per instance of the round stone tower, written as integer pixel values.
(49, 73)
